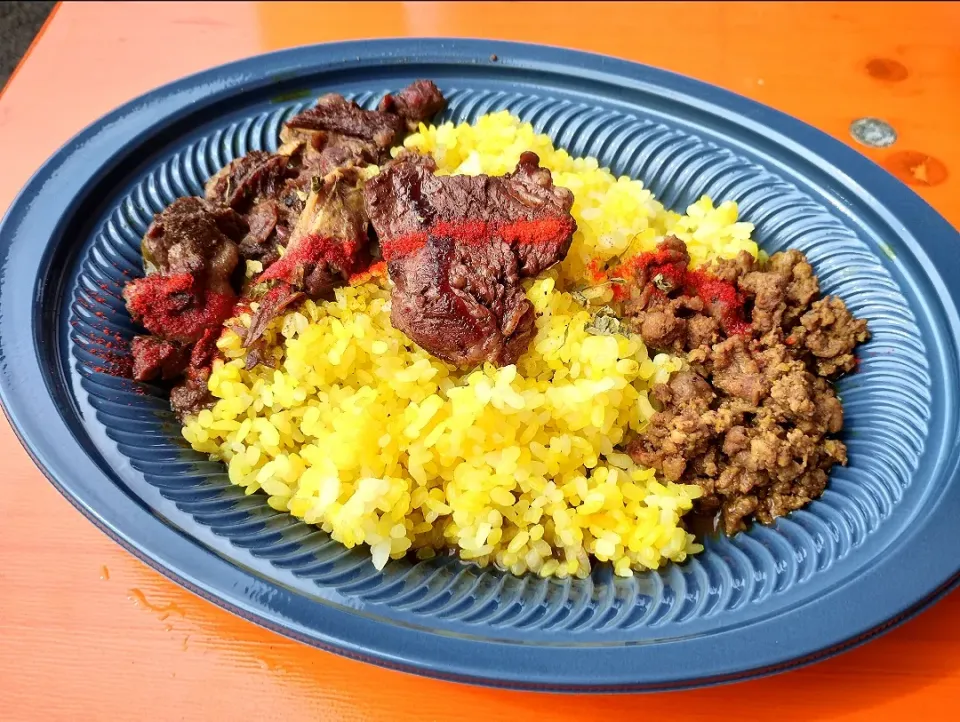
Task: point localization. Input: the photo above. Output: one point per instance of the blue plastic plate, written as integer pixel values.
(881, 543)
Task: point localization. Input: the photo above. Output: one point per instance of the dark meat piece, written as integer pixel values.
(254, 207)
(261, 241)
(407, 199)
(327, 246)
(416, 103)
(336, 115)
(196, 237)
(257, 174)
(463, 303)
(318, 153)
(190, 253)
(337, 131)
(155, 358)
(457, 248)
(273, 303)
(178, 307)
(269, 189)
(192, 395)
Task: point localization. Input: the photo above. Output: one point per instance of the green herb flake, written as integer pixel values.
(292, 95)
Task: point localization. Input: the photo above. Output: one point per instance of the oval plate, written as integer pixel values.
(877, 547)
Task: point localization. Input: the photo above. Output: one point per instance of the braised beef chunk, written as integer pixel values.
(328, 245)
(257, 174)
(155, 358)
(266, 188)
(190, 252)
(457, 249)
(305, 199)
(197, 237)
(462, 302)
(192, 395)
(417, 103)
(751, 421)
(316, 152)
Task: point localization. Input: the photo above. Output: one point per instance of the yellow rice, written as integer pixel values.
(362, 432)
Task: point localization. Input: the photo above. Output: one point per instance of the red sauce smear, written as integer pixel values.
(537, 231)
(702, 284)
(174, 307)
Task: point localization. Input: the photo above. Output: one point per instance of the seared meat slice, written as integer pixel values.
(327, 246)
(457, 248)
(407, 201)
(416, 103)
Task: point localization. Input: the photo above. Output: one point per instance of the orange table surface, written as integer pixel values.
(87, 632)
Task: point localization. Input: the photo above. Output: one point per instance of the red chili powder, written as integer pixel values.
(313, 250)
(158, 302)
(537, 231)
(112, 363)
(716, 291)
(696, 282)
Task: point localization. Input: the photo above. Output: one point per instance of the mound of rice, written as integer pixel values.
(360, 431)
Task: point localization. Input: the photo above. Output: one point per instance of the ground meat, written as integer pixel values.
(753, 417)
(736, 373)
(830, 332)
